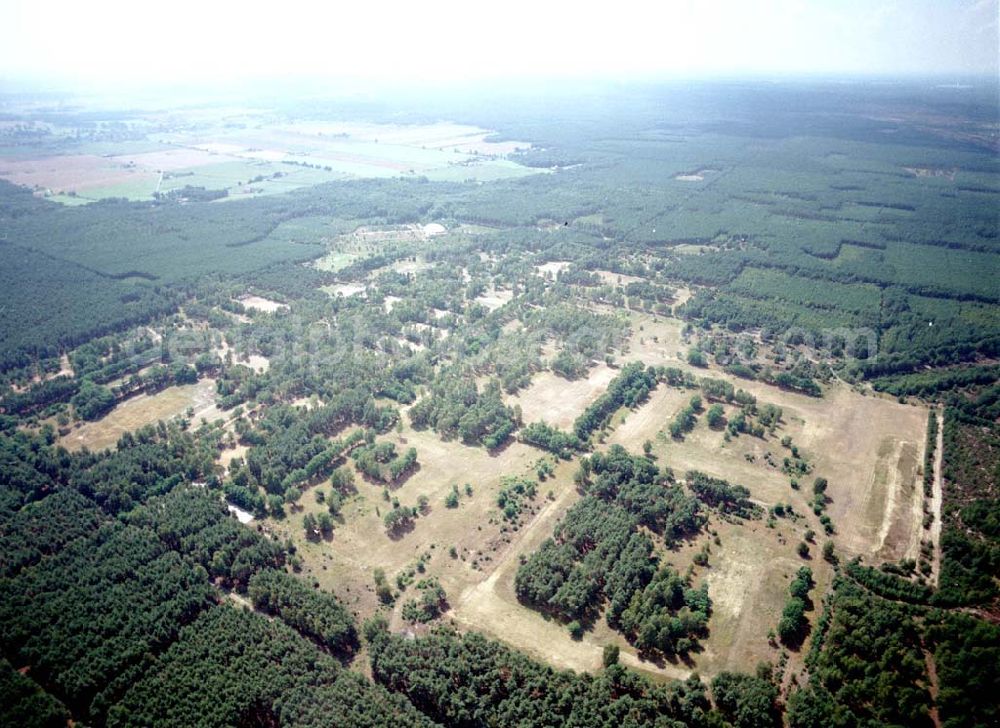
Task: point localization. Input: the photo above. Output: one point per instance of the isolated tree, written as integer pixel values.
(611, 654)
(715, 416)
(325, 523)
(310, 525)
(828, 553)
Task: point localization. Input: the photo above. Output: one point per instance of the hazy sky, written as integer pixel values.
(133, 42)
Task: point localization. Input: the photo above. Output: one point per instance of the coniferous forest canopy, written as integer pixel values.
(649, 404)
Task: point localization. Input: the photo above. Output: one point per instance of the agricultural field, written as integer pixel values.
(263, 158)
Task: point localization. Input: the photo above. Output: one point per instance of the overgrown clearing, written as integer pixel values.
(346, 564)
(146, 409)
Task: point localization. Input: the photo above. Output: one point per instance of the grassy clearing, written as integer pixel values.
(143, 410)
(334, 261)
(558, 401)
(359, 545)
(748, 576)
(260, 303)
(841, 433)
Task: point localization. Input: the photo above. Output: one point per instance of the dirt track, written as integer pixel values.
(937, 498)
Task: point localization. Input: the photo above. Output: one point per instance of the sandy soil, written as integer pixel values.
(552, 269)
(75, 172)
(145, 409)
(171, 159)
(495, 299)
(360, 544)
(617, 279)
(262, 304)
(937, 498)
(344, 289)
(559, 402)
(842, 434)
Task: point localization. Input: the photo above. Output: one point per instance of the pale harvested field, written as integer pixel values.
(71, 173)
(219, 148)
(442, 135)
(171, 160)
(144, 409)
(559, 402)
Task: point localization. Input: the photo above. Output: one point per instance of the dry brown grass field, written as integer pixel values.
(866, 447)
(71, 173)
(146, 409)
(559, 401)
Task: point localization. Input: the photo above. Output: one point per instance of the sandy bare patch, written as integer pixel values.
(842, 434)
(229, 454)
(241, 515)
(617, 279)
(937, 497)
(491, 605)
(651, 418)
(260, 303)
(494, 299)
(411, 267)
(256, 362)
(697, 175)
(559, 402)
(552, 269)
(344, 289)
(748, 577)
(170, 160)
(144, 409)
